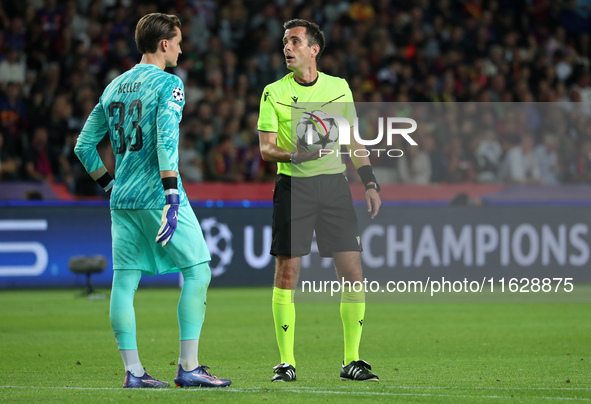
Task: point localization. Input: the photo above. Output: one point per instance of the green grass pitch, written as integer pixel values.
(57, 347)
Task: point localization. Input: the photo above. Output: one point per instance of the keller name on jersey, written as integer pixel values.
(129, 87)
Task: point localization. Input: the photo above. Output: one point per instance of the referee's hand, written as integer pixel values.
(373, 201)
(302, 154)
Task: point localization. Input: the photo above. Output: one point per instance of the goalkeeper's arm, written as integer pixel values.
(93, 131)
(171, 209)
(103, 178)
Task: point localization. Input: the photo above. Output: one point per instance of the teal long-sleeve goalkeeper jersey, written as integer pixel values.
(141, 111)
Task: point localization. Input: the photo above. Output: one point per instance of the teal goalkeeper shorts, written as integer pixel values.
(134, 247)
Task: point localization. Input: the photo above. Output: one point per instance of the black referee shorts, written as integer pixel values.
(322, 203)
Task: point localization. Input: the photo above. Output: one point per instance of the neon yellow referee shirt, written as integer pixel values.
(284, 102)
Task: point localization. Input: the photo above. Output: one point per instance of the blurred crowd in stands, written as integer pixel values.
(56, 57)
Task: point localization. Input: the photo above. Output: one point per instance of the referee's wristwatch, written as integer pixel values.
(292, 159)
(375, 186)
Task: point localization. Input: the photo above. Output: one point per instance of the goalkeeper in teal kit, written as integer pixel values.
(154, 229)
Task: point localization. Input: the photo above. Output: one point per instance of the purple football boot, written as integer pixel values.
(133, 382)
(198, 377)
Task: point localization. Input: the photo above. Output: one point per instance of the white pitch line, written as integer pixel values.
(377, 393)
(302, 390)
(61, 388)
(488, 388)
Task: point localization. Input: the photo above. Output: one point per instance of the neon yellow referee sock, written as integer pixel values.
(352, 313)
(284, 317)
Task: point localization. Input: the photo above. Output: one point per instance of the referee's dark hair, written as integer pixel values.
(313, 33)
(152, 28)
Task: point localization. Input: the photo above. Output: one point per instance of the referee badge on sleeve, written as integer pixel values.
(178, 94)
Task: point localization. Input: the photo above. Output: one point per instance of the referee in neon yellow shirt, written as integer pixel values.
(305, 180)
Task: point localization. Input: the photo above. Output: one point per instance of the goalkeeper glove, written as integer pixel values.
(169, 216)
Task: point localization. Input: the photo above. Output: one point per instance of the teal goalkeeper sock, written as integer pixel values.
(192, 303)
(122, 313)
